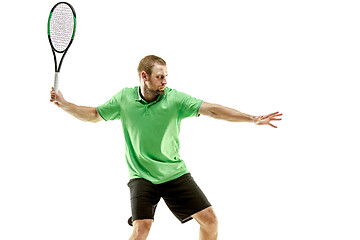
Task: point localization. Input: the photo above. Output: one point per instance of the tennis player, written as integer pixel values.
(151, 115)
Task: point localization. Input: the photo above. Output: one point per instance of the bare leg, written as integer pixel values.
(141, 229)
(208, 224)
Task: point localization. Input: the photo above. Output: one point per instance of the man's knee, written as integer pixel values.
(142, 227)
(207, 218)
(212, 221)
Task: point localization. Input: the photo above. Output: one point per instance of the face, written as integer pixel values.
(156, 83)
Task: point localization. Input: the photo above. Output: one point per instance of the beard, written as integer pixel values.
(160, 92)
(155, 92)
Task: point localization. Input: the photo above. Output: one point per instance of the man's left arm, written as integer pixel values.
(224, 113)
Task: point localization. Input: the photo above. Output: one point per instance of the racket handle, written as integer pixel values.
(56, 82)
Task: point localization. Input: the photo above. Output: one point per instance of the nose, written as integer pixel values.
(164, 81)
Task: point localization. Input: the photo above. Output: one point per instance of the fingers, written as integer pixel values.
(52, 95)
(275, 119)
(275, 114)
(271, 114)
(272, 125)
(266, 120)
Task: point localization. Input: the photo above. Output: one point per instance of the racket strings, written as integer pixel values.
(61, 27)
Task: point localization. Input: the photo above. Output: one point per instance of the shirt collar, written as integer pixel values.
(138, 97)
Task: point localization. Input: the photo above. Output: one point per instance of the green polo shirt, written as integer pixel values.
(151, 131)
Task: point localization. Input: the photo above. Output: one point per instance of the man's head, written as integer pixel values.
(147, 63)
(152, 73)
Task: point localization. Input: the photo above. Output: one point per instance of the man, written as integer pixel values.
(151, 115)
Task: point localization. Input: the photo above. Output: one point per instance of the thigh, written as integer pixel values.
(144, 198)
(184, 197)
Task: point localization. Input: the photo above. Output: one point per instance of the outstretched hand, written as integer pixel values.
(266, 120)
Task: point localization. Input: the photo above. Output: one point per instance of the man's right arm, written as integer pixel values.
(86, 114)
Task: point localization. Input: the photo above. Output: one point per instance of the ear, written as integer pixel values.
(144, 76)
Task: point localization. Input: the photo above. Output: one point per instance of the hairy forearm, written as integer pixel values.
(229, 114)
(86, 114)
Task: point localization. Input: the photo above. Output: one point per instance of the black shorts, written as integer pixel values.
(182, 195)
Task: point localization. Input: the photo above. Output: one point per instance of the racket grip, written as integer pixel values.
(56, 82)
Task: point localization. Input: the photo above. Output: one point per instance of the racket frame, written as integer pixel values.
(54, 51)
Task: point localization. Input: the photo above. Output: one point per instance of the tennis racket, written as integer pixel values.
(61, 32)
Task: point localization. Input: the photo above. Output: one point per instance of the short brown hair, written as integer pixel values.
(146, 64)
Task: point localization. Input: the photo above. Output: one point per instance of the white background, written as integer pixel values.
(61, 178)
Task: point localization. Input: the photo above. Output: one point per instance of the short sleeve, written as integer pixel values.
(111, 109)
(188, 105)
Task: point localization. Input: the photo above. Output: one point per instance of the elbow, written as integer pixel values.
(95, 117)
(95, 120)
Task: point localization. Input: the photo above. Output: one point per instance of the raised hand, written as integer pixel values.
(57, 98)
